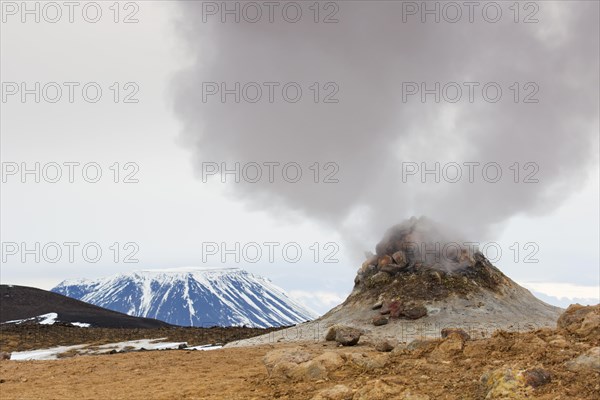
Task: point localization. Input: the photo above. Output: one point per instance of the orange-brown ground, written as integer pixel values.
(239, 373)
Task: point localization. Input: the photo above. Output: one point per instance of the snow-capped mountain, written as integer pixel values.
(192, 297)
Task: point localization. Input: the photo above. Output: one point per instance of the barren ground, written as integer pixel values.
(239, 373)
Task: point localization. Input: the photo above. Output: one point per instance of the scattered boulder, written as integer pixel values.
(509, 383)
(400, 259)
(385, 260)
(580, 320)
(415, 312)
(347, 336)
(4, 355)
(290, 364)
(330, 335)
(380, 278)
(338, 392)
(384, 346)
(405, 311)
(308, 371)
(381, 389)
(369, 362)
(419, 344)
(380, 320)
(536, 377)
(588, 361)
(392, 269)
(452, 345)
(331, 360)
(281, 363)
(461, 332)
(377, 305)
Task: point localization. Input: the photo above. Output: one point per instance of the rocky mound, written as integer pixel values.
(418, 283)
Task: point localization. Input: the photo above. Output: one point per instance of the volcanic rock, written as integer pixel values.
(392, 269)
(380, 278)
(580, 320)
(338, 392)
(450, 346)
(384, 346)
(509, 383)
(330, 336)
(293, 364)
(331, 360)
(347, 336)
(448, 331)
(400, 259)
(383, 389)
(536, 377)
(369, 362)
(590, 361)
(380, 320)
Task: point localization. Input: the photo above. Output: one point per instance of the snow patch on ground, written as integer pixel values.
(44, 319)
(81, 324)
(43, 354)
(54, 353)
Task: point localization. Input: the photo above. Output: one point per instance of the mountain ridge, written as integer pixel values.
(192, 296)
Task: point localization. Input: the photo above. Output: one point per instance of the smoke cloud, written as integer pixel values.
(378, 138)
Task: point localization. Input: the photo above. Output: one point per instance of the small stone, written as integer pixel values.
(309, 370)
(331, 360)
(383, 261)
(347, 336)
(330, 336)
(4, 355)
(338, 392)
(536, 377)
(392, 269)
(380, 320)
(377, 305)
(380, 278)
(451, 346)
(400, 258)
(580, 320)
(368, 362)
(461, 332)
(384, 346)
(182, 346)
(590, 361)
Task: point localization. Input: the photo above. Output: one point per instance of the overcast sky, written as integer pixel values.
(363, 127)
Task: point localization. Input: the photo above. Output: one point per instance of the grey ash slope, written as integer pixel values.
(192, 297)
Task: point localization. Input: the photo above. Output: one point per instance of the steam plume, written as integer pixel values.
(369, 53)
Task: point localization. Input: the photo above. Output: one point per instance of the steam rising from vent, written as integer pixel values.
(422, 243)
(372, 132)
